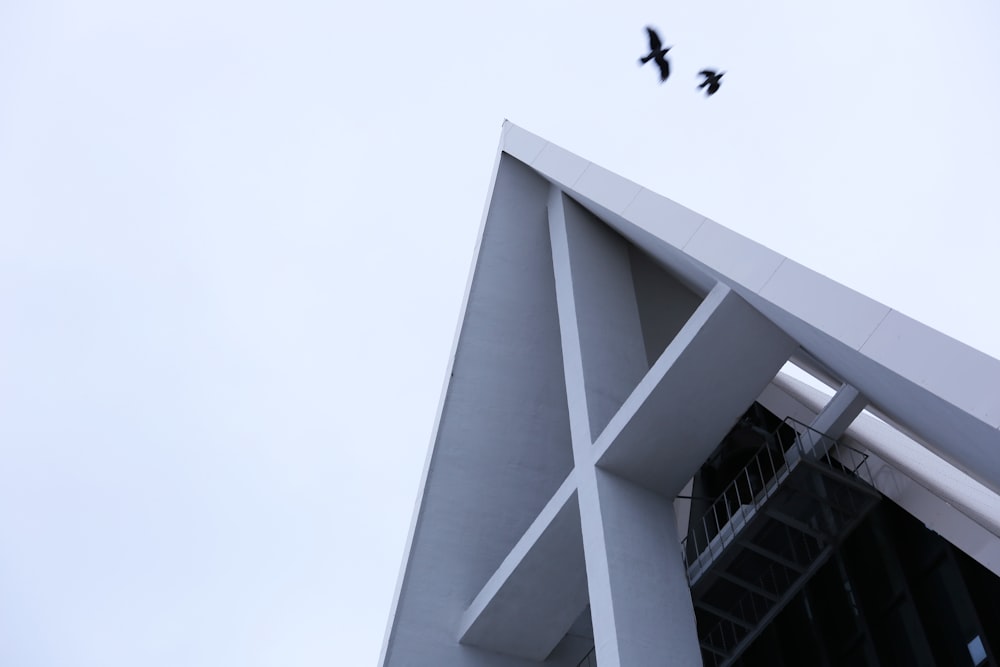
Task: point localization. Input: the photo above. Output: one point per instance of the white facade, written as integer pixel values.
(609, 340)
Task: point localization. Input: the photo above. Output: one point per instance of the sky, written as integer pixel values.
(235, 238)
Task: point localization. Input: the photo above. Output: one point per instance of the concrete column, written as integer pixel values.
(639, 597)
(840, 412)
(612, 347)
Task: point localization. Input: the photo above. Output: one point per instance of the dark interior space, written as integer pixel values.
(895, 594)
(874, 589)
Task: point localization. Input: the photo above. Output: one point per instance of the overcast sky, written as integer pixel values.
(235, 236)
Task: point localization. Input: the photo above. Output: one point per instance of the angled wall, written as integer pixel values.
(501, 448)
(609, 341)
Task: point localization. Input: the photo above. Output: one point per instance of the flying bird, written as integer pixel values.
(713, 80)
(657, 53)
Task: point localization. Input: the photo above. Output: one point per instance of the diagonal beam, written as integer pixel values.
(798, 568)
(714, 368)
(717, 651)
(743, 583)
(724, 615)
(840, 412)
(533, 598)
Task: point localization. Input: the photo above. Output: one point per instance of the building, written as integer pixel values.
(623, 474)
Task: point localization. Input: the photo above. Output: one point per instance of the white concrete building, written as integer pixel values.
(622, 474)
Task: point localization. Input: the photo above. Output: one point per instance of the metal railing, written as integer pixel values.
(722, 524)
(758, 481)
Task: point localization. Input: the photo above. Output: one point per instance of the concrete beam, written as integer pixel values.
(527, 606)
(840, 412)
(706, 378)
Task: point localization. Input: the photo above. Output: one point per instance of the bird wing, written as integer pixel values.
(708, 73)
(654, 40)
(664, 66)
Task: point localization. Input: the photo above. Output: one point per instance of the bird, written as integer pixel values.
(657, 53)
(713, 80)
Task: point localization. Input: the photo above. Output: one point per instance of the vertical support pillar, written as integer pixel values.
(645, 584)
(639, 596)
